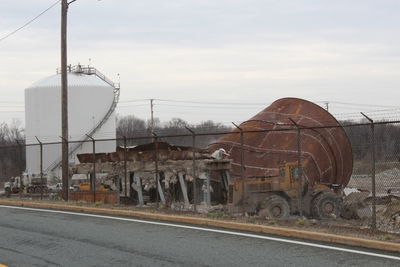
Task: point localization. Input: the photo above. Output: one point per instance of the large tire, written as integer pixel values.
(326, 206)
(275, 207)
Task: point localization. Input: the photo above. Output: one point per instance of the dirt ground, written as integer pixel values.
(360, 228)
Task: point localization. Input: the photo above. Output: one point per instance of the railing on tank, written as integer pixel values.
(89, 71)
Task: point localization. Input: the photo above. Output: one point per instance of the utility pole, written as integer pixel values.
(326, 105)
(152, 116)
(64, 100)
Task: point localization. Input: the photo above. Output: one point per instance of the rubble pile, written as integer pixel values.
(356, 207)
(388, 214)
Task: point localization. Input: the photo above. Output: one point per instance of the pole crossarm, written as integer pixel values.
(295, 124)
(240, 129)
(38, 140)
(88, 136)
(190, 130)
(368, 118)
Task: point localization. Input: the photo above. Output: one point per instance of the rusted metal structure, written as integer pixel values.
(145, 153)
(325, 149)
(289, 131)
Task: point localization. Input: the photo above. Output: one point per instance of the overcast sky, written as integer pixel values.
(230, 51)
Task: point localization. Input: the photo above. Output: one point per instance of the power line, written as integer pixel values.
(211, 103)
(205, 107)
(29, 22)
(362, 105)
(136, 100)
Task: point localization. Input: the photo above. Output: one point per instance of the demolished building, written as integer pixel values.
(131, 173)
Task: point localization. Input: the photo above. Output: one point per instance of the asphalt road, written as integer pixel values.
(38, 238)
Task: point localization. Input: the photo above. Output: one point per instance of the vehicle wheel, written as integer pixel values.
(38, 190)
(31, 190)
(326, 206)
(274, 206)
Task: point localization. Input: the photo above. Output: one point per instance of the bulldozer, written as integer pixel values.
(278, 197)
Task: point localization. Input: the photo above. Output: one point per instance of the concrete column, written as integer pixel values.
(183, 188)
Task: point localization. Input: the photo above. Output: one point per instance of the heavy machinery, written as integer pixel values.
(32, 184)
(13, 186)
(291, 158)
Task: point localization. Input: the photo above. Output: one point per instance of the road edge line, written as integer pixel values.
(292, 233)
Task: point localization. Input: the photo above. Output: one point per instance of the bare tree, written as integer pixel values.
(12, 150)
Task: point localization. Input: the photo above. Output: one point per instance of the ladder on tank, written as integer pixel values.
(76, 146)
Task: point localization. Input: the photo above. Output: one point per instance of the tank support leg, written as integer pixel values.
(138, 183)
(161, 193)
(183, 188)
(208, 190)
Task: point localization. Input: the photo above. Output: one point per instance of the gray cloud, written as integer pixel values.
(224, 50)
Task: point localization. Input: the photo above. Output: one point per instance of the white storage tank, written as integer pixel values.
(91, 110)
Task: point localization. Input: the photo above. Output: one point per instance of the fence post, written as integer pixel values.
(41, 168)
(94, 168)
(299, 168)
(373, 182)
(21, 186)
(125, 169)
(194, 169)
(156, 167)
(242, 167)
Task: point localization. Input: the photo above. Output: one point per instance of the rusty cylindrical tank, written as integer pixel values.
(326, 154)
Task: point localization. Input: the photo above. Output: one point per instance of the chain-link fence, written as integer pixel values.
(325, 172)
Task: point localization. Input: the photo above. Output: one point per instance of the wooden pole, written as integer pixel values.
(64, 100)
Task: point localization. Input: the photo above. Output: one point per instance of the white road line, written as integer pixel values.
(212, 230)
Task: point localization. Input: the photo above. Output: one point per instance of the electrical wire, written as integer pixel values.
(136, 100)
(186, 106)
(361, 105)
(212, 103)
(30, 21)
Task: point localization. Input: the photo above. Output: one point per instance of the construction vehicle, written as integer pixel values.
(278, 197)
(87, 187)
(291, 158)
(37, 185)
(13, 186)
(32, 184)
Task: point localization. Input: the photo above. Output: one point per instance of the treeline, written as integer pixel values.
(387, 136)
(131, 126)
(12, 152)
(387, 141)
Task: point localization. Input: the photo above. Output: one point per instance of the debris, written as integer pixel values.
(348, 190)
(219, 154)
(355, 206)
